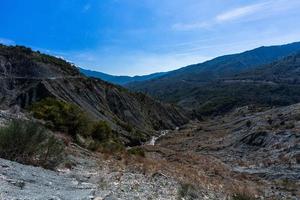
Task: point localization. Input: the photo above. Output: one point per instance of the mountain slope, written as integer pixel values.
(120, 80)
(176, 85)
(285, 70)
(27, 77)
(275, 84)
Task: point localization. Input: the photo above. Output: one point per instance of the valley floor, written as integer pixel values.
(254, 154)
(245, 152)
(91, 177)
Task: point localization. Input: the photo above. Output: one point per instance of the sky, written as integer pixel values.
(136, 37)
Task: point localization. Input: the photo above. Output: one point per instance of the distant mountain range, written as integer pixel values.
(178, 84)
(217, 85)
(157, 84)
(120, 80)
(275, 84)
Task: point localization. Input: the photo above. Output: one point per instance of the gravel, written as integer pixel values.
(86, 181)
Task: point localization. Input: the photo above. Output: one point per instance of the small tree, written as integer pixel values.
(29, 143)
(101, 131)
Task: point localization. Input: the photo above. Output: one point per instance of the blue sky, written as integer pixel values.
(130, 37)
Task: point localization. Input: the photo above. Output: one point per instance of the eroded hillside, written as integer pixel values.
(27, 77)
(251, 151)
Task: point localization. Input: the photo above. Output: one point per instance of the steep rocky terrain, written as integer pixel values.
(248, 152)
(27, 77)
(247, 145)
(86, 175)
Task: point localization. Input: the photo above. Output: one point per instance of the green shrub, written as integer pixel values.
(138, 151)
(242, 196)
(107, 146)
(62, 116)
(30, 143)
(104, 139)
(126, 126)
(68, 118)
(111, 146)
(137, 138)
(101, 131)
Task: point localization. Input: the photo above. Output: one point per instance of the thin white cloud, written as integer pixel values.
(249, 12)
(237, 13)
(191, 26)
(7, 41)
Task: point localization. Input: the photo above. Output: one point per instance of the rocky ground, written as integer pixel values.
(254, 153)
(91, 177)
(259, 150)
(84, 175)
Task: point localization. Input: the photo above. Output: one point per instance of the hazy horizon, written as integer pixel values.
(136, 38)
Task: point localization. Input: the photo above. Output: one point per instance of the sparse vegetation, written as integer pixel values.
(44, 58)
(101, 131)
(70, 119)
(137, 151)
(138, 137)
(62, 116)
(217, 105)
(30, 143)
(242, 196)
(126, 126)
(187, 192)
(112, 145)
(287, 184)
(104, 139)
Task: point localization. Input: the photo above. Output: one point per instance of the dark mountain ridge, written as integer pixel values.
(285, 70)
(275, 84)
(120, 80)
(176, 85)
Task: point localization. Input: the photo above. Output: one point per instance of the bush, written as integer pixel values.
(111, 146)
(101, 131)
(62, 116)
(138, 151)
(107, 146)
(30, 143)
(242, 196)
(104, 139)
(68, 118)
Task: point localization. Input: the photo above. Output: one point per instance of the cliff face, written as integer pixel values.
(27, 77)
